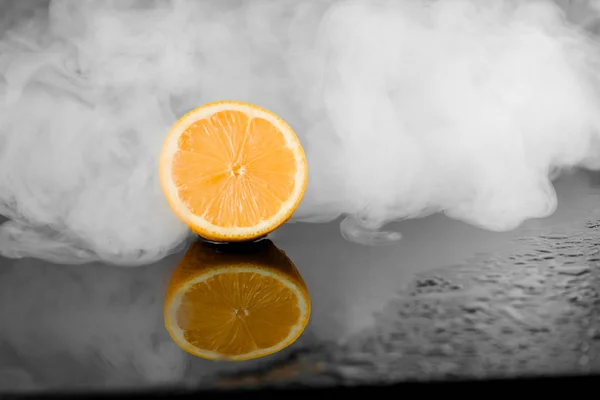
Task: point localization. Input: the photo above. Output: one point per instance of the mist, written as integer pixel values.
(405, 109)
(90, 325)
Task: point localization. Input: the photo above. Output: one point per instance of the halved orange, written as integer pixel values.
(232, 171)
(236, 306)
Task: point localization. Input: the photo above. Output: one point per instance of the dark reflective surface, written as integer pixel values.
(448, 299)
(100, 326)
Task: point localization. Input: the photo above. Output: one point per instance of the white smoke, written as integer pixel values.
(404, 108)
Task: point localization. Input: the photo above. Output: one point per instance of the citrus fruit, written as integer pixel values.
(232, 171)
(235, 305)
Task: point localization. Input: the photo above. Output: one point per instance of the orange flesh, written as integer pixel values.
(244, 312)
(233, 170)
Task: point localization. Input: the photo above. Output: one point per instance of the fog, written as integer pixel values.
(405, 109)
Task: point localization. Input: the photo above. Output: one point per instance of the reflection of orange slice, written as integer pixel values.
(236, 306)
(232, 171)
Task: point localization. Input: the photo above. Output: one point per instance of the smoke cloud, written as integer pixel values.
(405, 109)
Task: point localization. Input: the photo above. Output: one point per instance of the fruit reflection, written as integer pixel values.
(235, 301)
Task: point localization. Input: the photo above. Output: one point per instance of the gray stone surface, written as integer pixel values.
(532, 309)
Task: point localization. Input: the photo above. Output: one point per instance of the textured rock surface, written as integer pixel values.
(532, 310)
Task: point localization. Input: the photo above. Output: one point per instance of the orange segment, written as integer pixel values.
(232, 171)
(224, 306)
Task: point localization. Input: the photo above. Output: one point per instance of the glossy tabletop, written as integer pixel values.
(97, 326)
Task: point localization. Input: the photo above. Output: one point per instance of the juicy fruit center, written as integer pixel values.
(237, 313)
(233, 170)
(238, 170)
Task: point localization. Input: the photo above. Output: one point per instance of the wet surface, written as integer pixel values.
(447, 301)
